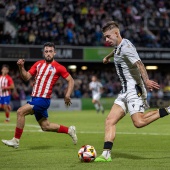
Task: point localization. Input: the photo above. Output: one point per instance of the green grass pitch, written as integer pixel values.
(147, 148)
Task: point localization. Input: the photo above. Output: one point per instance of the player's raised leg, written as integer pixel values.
(101, 107)
(140, 120)
(96, 105)
(114, 116)
(53, 127)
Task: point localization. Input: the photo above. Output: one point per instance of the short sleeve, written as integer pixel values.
(63, 72)
(10, 81)
(33, 69)
(131, 54)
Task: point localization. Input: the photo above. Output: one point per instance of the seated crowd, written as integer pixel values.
(79, 22)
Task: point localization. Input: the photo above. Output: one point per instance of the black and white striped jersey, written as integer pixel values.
(125, 55)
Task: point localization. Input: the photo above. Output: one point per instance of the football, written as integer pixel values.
(87, 153)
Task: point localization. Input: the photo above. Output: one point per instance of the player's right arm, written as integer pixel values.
(107, 58)
(70, 87)
(24, 74)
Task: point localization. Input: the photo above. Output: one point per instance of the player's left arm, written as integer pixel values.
(149, 83)
(133, 57)
(69, 91)
(65, 74)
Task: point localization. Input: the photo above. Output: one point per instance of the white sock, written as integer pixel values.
(96, 106)
(106, 154)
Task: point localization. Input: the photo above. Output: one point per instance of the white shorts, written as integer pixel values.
(96, 97)
(131, 102)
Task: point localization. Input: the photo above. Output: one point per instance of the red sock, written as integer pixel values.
(18, 133)
(63, 129)
(7, 115)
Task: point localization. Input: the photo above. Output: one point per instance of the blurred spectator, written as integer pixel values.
(31, 37)
(145, 23)
(10, 9)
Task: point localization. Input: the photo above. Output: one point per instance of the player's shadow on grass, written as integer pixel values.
(32, 148)
(41, 147)
(128, 156)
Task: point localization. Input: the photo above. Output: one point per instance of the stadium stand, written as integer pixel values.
(79, 22)
(146, 23)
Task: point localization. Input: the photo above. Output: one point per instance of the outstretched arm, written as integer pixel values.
(148, 83)
(107, 58)
(24, 74)
(67, 98)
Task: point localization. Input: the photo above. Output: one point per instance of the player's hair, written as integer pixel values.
(110, 25)
(49, 44)
(5, 65)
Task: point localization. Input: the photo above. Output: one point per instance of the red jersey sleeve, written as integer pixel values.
(33, 69)
(10, 81)
(63, 72)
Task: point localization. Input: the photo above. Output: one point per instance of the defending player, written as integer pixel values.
(132, 98)
(6, 85)
(96, 87)
(46, 74)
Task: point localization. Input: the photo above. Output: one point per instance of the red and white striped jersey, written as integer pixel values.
(46, 76)
(5, 81)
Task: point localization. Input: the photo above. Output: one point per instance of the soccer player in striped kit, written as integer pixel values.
(6, 85)
(46, 73)
(134, 80)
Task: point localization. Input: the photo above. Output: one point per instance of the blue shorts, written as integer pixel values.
(40, 106)
(5, 100)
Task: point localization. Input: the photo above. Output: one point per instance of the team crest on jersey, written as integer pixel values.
(38, 66)
(51, 68)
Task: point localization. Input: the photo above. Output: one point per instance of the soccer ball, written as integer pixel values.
(87, 153)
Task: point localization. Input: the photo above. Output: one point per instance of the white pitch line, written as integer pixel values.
(128, 133)
(34, 126)
(85, 132)
(91, 132)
